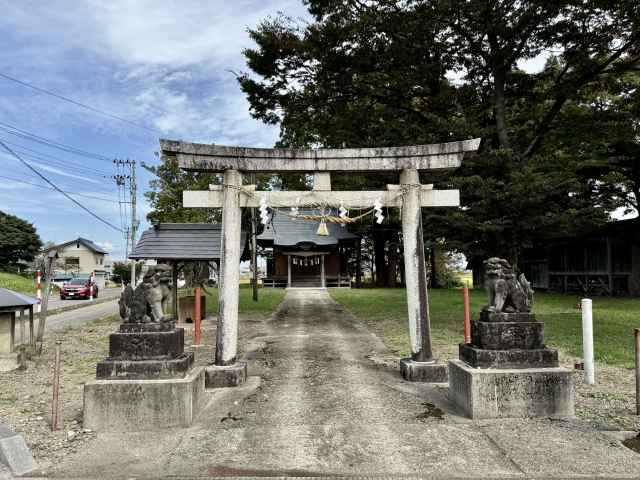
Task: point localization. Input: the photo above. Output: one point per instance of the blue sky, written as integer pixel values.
(162, 64)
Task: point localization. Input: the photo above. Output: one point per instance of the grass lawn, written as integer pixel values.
(385, 312)
(17, 283)
(268, 300)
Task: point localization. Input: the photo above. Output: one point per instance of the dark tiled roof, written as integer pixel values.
(181, 241)
(285, 231)
(9, 298)
(87, 243)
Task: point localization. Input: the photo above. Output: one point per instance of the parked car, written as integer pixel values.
(78, 288)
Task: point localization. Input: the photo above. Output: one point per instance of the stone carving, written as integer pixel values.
(149, 301)
(506, 292)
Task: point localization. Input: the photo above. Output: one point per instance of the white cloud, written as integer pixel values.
(107, 245)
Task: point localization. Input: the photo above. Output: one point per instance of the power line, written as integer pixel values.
(79, 104)
(51, 143)
(45, 156)
(28, 165)
(51, 188)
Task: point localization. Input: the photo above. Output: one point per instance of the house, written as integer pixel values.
(604, 261)
(79, 256)
(300, 257)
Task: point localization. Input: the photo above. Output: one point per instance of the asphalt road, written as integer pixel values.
(55, 302)
(80, 316)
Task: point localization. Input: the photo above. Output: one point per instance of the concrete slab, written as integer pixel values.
(122, 405)
(14, 452)
(507, 393)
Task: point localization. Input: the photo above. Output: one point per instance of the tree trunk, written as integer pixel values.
(500, 107)
(378, 253)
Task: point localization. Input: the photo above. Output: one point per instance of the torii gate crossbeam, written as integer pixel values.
(409, 195)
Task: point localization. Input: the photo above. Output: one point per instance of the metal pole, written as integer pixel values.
(197, 315)
(636, 332)
(56, 388)
(467, 318)
(587, 342)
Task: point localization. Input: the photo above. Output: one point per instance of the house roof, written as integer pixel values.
(285, 231)
(10, 299)
(181, 241)
(87, 243)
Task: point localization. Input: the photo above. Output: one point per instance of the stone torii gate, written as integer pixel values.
(410, 195)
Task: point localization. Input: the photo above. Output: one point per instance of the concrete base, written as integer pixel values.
(511, 393)
(14, 452)
(225, 376)
(9, 362)
(428, 372)
(129, 405)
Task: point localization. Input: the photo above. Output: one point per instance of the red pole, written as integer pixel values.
(196, 320)
(467, 320)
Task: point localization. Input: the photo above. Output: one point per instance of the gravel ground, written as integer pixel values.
(25, 396)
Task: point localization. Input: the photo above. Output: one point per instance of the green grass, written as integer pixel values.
(18, 283)
(268, 300)
(385, 312)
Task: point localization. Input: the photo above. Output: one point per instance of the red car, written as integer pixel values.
(78, 288)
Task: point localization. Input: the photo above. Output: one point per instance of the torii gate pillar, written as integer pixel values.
(421, 367)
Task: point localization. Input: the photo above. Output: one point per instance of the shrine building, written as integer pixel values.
(302, 257)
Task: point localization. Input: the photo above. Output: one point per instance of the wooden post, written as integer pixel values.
(467, 318)
(32, 339)
(254, 248)
(229, 284)
(174, 279)
(636, 332)
(56, 388)
(288, 271)
(415, 269)
(359, 263)
(51, 256)
(197, 314)
(323, 281)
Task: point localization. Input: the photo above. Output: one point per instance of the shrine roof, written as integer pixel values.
(285, 231)
(10, 299)
(181, 241)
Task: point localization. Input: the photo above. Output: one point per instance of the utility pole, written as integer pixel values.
(121, 180)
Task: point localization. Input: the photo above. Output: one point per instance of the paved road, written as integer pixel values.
(55, 302)
(80, 316)
(327, 403)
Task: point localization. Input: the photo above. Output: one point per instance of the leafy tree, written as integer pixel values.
(165, 194)
(374, 74)
(19, 241)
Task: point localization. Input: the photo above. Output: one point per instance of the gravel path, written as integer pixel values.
(329, 400)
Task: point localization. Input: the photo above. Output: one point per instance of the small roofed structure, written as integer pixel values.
(10, 304)
(303, 258)
(176, 243)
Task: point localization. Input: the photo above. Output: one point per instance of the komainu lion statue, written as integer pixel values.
(506, 292)
(148, 302)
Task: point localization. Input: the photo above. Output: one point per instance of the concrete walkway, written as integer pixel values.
(80, 316)
(327, 404)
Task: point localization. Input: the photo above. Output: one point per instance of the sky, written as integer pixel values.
(164, 65)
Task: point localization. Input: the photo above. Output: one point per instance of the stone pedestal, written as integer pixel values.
(509, 393)
(508, 371)
(429, 372)
(146, 351)
(147, 382)
(126, 404)
(226, 376)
